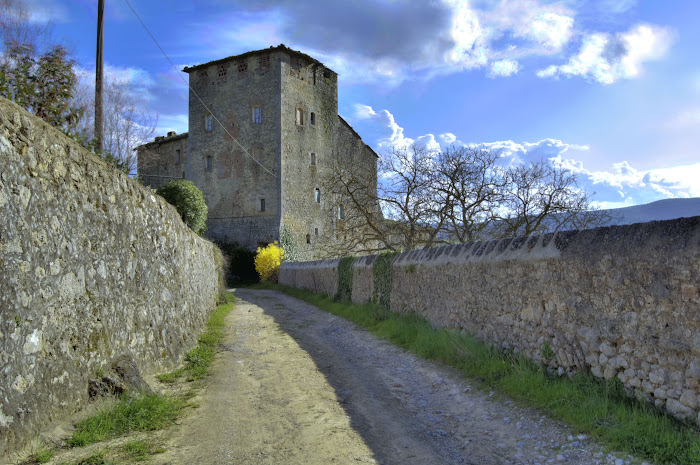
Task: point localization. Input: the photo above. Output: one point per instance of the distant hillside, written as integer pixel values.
(666, 209)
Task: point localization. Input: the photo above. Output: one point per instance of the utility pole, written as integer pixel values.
(99, 72)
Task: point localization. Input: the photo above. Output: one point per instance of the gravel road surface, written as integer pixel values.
(296, 385)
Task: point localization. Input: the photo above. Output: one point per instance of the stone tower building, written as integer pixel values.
(281, 107)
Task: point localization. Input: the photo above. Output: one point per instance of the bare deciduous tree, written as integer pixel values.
(408, 197)
(399, 214)
(126, 124)
(542, 197)
(17, 29)
(469, 183)
(458, 195)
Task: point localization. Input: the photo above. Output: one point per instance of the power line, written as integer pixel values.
(195, 93)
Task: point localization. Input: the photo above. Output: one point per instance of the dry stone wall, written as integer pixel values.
(94, 266)
(618, 301)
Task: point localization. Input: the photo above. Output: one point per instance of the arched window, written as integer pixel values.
(300, 116)
(209, 122)
(341, 212)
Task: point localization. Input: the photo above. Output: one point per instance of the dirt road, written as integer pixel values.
(296, 385)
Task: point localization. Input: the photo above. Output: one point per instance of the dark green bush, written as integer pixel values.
(189, 202)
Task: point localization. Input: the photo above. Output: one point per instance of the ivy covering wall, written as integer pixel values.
(381, 274)
(345, 278)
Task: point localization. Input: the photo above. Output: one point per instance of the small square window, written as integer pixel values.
(209, 122)
(315, 231)
(177, 156)
(308, 238)
(208, 164)
(312, 159)
(257, 115)
(262, 205)
(313, 118)
(317, 195)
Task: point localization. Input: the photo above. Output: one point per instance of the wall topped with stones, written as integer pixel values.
(94, 266)
(618, 301)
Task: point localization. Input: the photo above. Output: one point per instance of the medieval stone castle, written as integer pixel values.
(262, 173)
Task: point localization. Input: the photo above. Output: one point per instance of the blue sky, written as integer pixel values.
(609, 88)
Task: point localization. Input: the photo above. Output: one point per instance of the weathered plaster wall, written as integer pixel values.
(618, 301)
(93, 267)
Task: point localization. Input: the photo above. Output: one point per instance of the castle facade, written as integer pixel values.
(263, 168)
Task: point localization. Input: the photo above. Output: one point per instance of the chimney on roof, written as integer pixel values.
(159, 138)
(171, 133)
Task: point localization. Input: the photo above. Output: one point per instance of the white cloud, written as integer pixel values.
(527, 152)
(689, 117)
(428, 142)
(427, 38)
(504, 68)
(684, 178)
(606, 58)
(46, 11)
(448, 138)
(545, 27)
(140, 81)
(629, 183)
(363, 111)
(621, 185)
(470, 47)
(390, 133)
(551, 30)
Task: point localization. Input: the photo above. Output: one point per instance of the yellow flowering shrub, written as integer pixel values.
(268, 261)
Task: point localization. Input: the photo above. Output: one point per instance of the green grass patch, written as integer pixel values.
(139, 450)
(199, 359)
(599, 408)
(42, 454)
(95, 459)
(146, 412)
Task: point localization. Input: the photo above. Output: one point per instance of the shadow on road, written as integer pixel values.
(354, 364)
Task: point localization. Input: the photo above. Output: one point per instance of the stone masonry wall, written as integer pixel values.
(233, 184)
(94, 266)
(618, 301)
(163, 160)
(306, 90)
